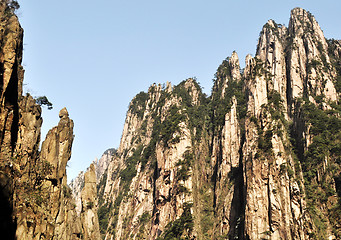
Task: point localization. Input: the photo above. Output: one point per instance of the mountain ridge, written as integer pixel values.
(257, 159)
(235, 164)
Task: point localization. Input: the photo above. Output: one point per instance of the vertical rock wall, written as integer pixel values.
(89, 205)
(36, 201)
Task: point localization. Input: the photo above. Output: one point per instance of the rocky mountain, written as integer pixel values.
(100, 166)
(36, 202)
(102, 163)
(89, 205)
(76, 185)
(258, 159)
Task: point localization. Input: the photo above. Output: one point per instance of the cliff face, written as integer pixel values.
(36, 202)
(89, 205)
(101, 166)
(259, 159)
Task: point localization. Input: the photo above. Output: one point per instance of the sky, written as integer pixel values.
(93, 57)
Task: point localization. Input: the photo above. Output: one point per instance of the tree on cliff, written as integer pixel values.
(12, 5)
(43, 101)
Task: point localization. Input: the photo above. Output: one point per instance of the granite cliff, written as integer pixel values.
(36, 202)
(258, 159)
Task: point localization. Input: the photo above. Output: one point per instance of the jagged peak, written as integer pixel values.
(270, 23)
(63, 113)
(169, 87)
(235, 66)
(155, 88)
(248, 60)
(300, 18)
(274, 28)
(109, 151)
(248, 64)
(234, 57)
(270, 37)
(300, 12)
(302, 23)
(228, 70)
(191, 83)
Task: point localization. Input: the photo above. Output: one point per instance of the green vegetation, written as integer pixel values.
(321, 160)
(126, 176)
(30, 180)
(12, 5)
(89, 205)
(183, 172)
(138, 104)
(333, 45)
(326, 131)
(259, 69)
(197, 113)
(43, 101)
(67, 192)
(220, 105)
(274, 29)
(207, 211)
(143, 220)
(116, 208)
(130, 171)
(208, 115)
(170, 126)
(100, 187)
(264, 141)
(103, 210)
(103, 218)
(276, 110)
(180, 228)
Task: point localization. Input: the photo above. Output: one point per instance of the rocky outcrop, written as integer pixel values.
(308, 58)
(56, 149)
(76, 186)
(102, 163)
(101, 166)
(12, 75)
(33, 184)
(49, 210)
(89, 205)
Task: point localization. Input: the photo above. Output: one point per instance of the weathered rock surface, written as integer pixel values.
(76, 186)
(36, 202)
(245, 163)
(101, 166)
(102, 163)
(89, 205)
(258, 159)
(49, 210)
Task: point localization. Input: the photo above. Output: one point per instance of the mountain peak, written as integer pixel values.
(302, 22)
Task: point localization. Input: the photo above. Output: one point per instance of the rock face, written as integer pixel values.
(248, 162)
(102, 163)
(89, 205)
(36, 202)
(76, 186)
(258, 159)
(101, 166)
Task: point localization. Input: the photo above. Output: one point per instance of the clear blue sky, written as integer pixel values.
(93, 57)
